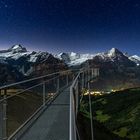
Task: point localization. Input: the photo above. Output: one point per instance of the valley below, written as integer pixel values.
(116, 116)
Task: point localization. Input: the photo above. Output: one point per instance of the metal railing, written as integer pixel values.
(80, 82)
(22, 102)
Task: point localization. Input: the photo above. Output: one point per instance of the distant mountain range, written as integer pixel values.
(117, 69)
(112, 55)
(17, 52)
(16, 63)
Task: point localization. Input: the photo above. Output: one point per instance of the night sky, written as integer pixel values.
(84, 26)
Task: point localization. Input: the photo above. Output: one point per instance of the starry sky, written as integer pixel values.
(84, 26)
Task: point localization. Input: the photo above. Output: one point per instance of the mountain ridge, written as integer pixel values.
(17, 51)
(18, 63)
(112, 55)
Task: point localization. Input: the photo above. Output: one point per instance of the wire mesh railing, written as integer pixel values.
(80, 82)
(20, 102)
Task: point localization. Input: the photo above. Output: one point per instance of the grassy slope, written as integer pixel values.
(119, 112)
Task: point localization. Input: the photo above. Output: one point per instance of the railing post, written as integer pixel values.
(79, 92)
(67, 79)
(72, 121)
(77, 97)
(98, 72)
(88, 74)
(58, 86)
(92, 73)
(90, 110)
(86, 77)
(73, 77)
(4, 125)
(82, 80)
(44, 93)
(71, 116)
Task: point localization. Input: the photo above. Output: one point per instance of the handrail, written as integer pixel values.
(54, 88)
(51, 80)
(72, 121)
(27, 89)
(81, 71)
(75, 80)
(83, 76)
(32, 79)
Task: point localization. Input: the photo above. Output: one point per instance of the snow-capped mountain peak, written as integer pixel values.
(114, 52)
(17, 48)
(73, 54)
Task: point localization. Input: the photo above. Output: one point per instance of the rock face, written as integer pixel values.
(18, 64)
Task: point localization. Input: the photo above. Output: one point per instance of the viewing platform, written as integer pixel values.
(44, 108)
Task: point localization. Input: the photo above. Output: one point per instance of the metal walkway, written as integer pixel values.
(48, 108)
(53, 124)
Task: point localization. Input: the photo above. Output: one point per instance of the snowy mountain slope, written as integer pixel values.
(73, 59)
(135, 59)
(113, 55)
(17, 51)
(25, 61)
(14, 52)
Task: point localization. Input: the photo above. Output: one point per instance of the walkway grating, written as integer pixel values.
(53, 124)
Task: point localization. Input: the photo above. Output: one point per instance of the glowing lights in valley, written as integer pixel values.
(100, 93)
(95, 93)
